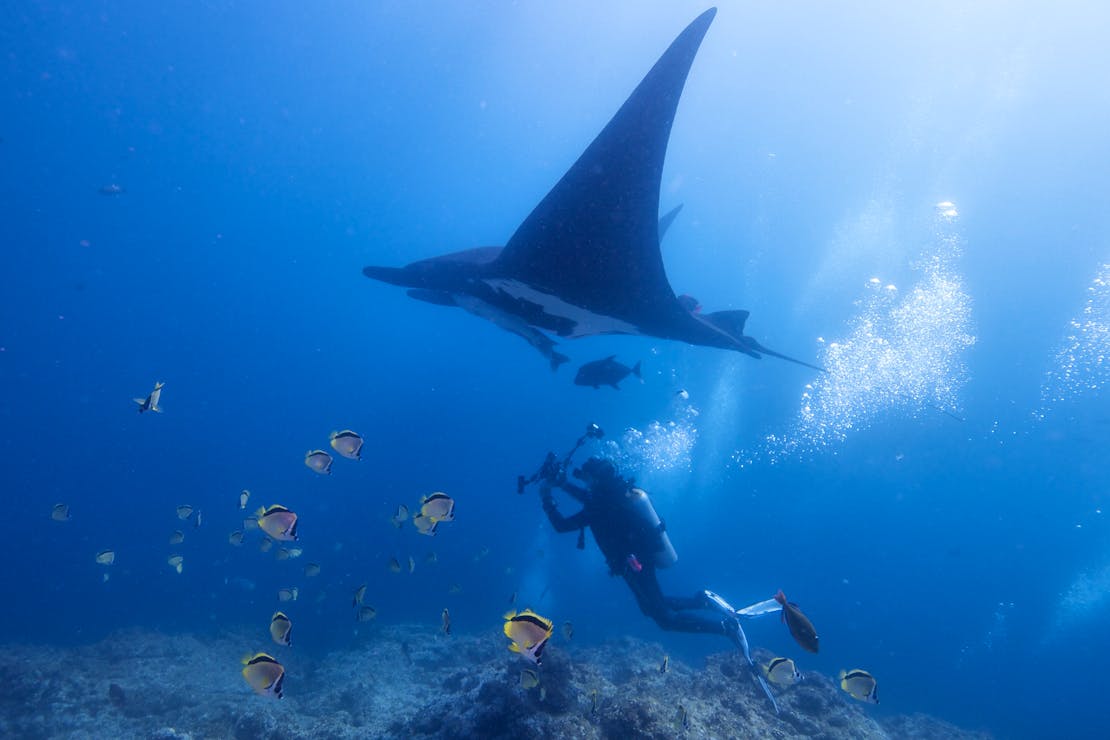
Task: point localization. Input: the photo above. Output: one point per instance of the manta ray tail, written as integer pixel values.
(763, 350)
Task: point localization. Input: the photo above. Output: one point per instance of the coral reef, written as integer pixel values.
(408, 681)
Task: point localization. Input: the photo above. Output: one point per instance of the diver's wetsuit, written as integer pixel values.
(619, 537)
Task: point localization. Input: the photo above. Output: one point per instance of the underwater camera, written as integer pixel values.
(553, 468)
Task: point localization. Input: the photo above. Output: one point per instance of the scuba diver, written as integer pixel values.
(634, 546)
(634, 541)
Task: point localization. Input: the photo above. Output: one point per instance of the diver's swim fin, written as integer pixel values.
(767, 691)
(770, 606)
(742, 640)
(716, 602)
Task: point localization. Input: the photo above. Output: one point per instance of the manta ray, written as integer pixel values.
(587, 259)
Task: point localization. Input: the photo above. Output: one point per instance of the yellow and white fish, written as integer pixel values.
(782, 671)
(439, 507)
(529, 633)
(278, 522)
(264, 674)
(860, 685)
(347, 443)
(318, 461)
(281, 629)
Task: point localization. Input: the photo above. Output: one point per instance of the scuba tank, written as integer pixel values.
(662, 554)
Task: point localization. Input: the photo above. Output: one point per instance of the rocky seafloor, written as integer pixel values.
(399, 683)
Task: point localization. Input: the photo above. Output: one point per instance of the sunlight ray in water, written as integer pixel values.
(904, 350)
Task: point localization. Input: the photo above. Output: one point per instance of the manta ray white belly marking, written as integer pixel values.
(586, 323)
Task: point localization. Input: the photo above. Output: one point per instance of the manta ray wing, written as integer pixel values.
(593, 241)
(587, 259)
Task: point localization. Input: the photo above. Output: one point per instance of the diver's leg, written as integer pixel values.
(667, 611)
(687, 603)
(669, 616)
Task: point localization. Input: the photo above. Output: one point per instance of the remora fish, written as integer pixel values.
(511, 323)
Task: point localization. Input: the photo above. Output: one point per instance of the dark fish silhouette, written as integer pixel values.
(801, 629)
(586, 260)
(605, 372)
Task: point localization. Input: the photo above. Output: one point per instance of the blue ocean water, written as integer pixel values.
(912, 196)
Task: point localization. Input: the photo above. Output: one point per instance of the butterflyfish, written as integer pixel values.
(318, 461)
(176, 562)
(264, 674)
(399, 518)
(439, 507)
(347, 443)
(860, 685)
(281, 629)
(278, 522)
(529, 633)
(782, 671)
(425, 525)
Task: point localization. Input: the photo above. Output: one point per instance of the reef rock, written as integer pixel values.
(411, 681)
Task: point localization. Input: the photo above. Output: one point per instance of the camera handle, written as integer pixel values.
(552, 466)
